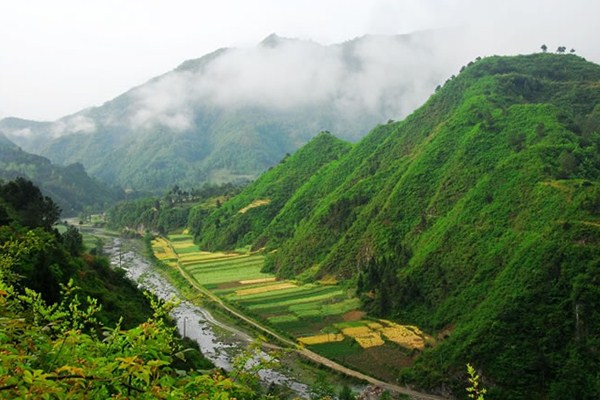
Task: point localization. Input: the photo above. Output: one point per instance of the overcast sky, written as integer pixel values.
(60, 56)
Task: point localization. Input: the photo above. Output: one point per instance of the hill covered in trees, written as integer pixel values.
(239, 221)
(69, 186)
(476, 218)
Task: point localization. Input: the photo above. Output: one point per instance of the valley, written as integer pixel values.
(466, 234)
(295, 314)
(218, 341)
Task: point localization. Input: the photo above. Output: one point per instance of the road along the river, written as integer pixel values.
(311, 355)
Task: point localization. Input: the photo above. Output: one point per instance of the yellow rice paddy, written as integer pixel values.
(320, 339)
(404, 335)
(369, 333)
(373, 334)
(259, 280)
(182, 244)
(264, 289)
(162, 250)
(373, 339)
(364, 336)
(356, 331)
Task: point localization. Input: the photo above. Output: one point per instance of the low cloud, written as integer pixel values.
(75, 124)
(165, 101)
(22, 133)
(384, 76)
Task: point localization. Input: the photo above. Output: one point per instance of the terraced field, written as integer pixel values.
(323, 316)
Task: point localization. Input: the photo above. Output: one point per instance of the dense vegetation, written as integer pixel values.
(241, 219)
(476, 218)
(176, 209)
(70, 187)
(73, 328)
(56, 259)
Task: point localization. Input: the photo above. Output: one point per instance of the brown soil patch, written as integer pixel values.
(355, 315)
(445, 332)
(229, 285)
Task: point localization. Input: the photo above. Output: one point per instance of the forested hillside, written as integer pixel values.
(239, 222)
(176, 209)
(26, 215)
(69, 186)
(477, 217)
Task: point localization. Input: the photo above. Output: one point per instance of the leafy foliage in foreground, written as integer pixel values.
(47, 353)
(25, 211)
(478, 218)
(52, 342)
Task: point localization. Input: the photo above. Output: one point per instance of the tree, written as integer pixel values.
(4, 217)
(540, 130)
(34, 209)
(517, 140)
(72, 240)
(561, 49)
(544, 48)
(71, 362)
(568, 164)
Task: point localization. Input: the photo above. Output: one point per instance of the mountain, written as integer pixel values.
(476, 218)
(253, 210)
(70, 186)
(233, 113)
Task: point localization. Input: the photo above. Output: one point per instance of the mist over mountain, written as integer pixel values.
(237, 111)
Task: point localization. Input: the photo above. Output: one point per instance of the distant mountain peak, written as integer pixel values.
(274, 40)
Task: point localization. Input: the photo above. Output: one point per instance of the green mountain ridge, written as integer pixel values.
(476, 218)
(69, 186)
(252, 211)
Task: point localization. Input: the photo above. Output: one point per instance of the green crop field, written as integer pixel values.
(180, 238)
(222, 272)
(297, 309)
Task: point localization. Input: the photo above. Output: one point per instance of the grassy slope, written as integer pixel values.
(480, 214)
(275, 186)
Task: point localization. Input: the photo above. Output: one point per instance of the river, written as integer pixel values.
(218, 342)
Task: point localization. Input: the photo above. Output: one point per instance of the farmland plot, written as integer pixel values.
(320, 315)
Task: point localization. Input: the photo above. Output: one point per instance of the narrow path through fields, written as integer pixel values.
(305, 352)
